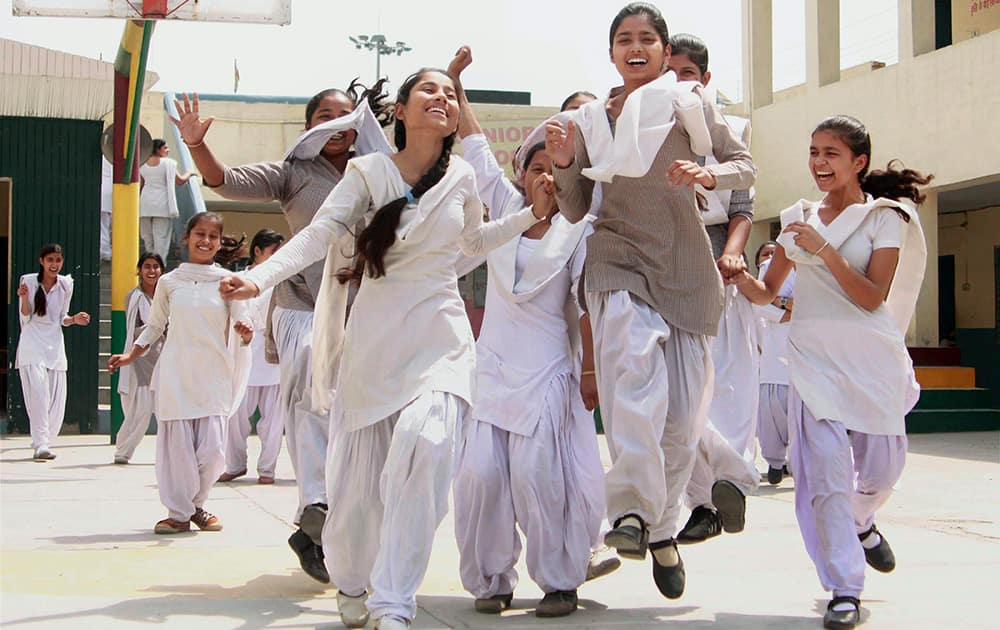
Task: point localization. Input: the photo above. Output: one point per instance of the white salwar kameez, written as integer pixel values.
(199, 379)
(134, 380)
(772, 410)
(528, 454)
(41, 359)
(390, 465)
(262, 394)
(852, 383)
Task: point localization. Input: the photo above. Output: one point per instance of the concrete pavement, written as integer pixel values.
(78, 551)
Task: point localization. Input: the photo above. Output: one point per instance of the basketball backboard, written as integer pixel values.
(250, 11)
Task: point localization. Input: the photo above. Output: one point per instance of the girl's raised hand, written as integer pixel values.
(560, 142)
(22, 291)
(237, 288)
(462, 60)
(806, 236)
(244, 330)
(543, 195)
(686, 173)
(190, 125)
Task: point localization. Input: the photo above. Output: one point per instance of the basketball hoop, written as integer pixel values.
(248, 11)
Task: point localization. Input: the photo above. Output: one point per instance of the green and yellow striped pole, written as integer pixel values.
(130, 72)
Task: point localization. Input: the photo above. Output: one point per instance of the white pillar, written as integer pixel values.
(758, 55)
(924, 327)
(917, 26)
(822, 42)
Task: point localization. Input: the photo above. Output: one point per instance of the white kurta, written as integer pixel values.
(847, 363)
(158, 197)
(204, 365)
(773, 335)
(414, 315)
(41, 340)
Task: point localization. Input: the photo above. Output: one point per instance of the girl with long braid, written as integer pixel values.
(407, 357)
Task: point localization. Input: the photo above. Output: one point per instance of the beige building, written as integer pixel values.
(936, 111)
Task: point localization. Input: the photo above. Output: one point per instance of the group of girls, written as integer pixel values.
(615, 196)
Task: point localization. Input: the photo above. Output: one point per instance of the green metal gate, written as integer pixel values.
(55, 168)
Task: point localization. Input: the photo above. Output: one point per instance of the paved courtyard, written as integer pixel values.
(78, 552)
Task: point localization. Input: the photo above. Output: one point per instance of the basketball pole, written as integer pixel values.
(130, 74)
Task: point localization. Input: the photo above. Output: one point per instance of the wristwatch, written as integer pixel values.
(783, 303)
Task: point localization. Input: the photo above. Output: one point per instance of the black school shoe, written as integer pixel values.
(557, 604)
(630, 541)
(703, 524)
(775, 475)
(494, 605)
(669, 580)
(842, 619)
(879, 557)
(731, 506)
(310, 556)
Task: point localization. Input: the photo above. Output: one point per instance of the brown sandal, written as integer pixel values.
(206, 522)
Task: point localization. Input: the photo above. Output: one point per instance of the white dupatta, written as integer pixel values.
(646, 119)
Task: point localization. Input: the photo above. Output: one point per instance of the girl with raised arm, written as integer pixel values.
(407, 357)
(201, 374)
(528, 455)
(859, 256)
(344, 122)
(43, 309)
(158, 199)
(653, 290)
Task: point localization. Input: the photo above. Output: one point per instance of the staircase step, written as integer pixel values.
(946, 377)
(936, 356)
(952, 420)
(966, 398)
(103, 396)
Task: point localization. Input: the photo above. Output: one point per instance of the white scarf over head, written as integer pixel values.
(362, 120)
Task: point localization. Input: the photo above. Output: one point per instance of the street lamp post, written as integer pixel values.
(381, 46)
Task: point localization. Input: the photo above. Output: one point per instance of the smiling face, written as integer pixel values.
(150, 272)
(638, 51)
(51, 264)
(332, 106)
(204, 241)
(432, 105)
(832, 163)
(687, 70)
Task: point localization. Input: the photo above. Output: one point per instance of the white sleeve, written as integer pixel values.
(65, 307)
(159, 315)
(495, 190)
(576, 271)
(889, 229)
(479, 237)
(343, 208)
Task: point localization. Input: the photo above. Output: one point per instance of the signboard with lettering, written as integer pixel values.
(971, 18)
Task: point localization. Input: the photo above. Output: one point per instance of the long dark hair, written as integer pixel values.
(356, 92)
(40, 301)
(264, 239)
(231, 249)
(641, 8)
(380, 234)
(891, 183)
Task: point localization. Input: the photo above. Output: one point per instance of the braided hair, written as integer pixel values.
(40, 301)
(380, 234)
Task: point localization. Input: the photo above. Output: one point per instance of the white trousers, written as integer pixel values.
(837, 495)
(105, 236)
(655, 383)
(265, 398)
(137, 407)
(388, 487)
(503, 480)
(157, 234)
(772, 423)
(189, 458)
(726, 449)
(44, 392)
(307, 433)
